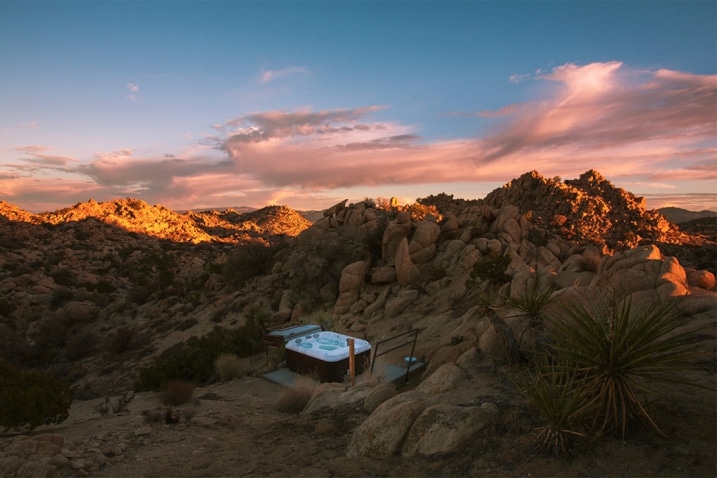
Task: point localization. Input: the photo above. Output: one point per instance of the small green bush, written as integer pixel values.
(491, 267)
(31, 398)
(63, 276)
(60, 296)
(193, 360)
(248, 261)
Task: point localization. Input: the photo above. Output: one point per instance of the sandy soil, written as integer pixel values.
(236, 429)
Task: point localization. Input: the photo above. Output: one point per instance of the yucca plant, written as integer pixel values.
(616, 352)
(557, 397)
(532, 303)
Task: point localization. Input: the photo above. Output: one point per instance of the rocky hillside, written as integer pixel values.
(134, 215)
(98, 292)
(73, 279)
(587, 210)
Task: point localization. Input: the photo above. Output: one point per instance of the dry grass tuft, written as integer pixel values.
(230, 366)
(177, 393)
(294, 400)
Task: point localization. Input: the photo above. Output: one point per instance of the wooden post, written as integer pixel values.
(352, 362)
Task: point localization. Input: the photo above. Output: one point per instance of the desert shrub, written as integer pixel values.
(81, 344)
(6, 308)
(248, 261)
(122, 340)
(101, 300)
(294, 399)
(31, 398)
(537, 237)
(230, 366)
(102, 286)
(491, 267)
(177, 392)
(318, 263)
(140, 294)
(60, 296)
(63, 276)
(193, 360)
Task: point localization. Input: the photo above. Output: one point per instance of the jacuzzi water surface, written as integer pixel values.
(327, 346)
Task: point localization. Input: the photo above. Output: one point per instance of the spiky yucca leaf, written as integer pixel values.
(616, 352)
(557, 398)
(532, 303)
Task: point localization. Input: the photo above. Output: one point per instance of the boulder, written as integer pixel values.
(446, 378)
(445, 428)
(406, 271)
(352, 278)
(423, 244)
(396, 231)
(398, 304)
(640, 269)
(376, 305)
(332, 396)
(470, 359)
(383, 432)
(383, 275)
(355, 214)
(699, 278)
(335, 209)
(451, 224)
(377, 395)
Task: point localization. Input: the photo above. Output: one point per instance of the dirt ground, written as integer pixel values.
(236, 429)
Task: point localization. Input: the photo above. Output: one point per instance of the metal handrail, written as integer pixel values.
(411, 342)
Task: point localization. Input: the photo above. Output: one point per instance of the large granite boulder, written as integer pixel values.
(406, 271)
(445, 428)
(423, 243)
(396, 231)
(383, 432)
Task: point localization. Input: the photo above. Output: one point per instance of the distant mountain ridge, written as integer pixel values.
(678, 215)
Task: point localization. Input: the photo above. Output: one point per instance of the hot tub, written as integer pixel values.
(325, 355)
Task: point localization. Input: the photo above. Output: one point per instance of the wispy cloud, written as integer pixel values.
(268, 76)
(37, 157)
(133, 89)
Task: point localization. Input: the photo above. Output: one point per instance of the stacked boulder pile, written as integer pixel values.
(584, 233)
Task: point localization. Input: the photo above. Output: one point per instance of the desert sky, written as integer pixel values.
(209, 104)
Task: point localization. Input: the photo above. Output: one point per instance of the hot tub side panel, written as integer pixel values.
(324, 371)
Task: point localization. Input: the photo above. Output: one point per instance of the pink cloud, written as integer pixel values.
(639, 127)
(603, 106)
